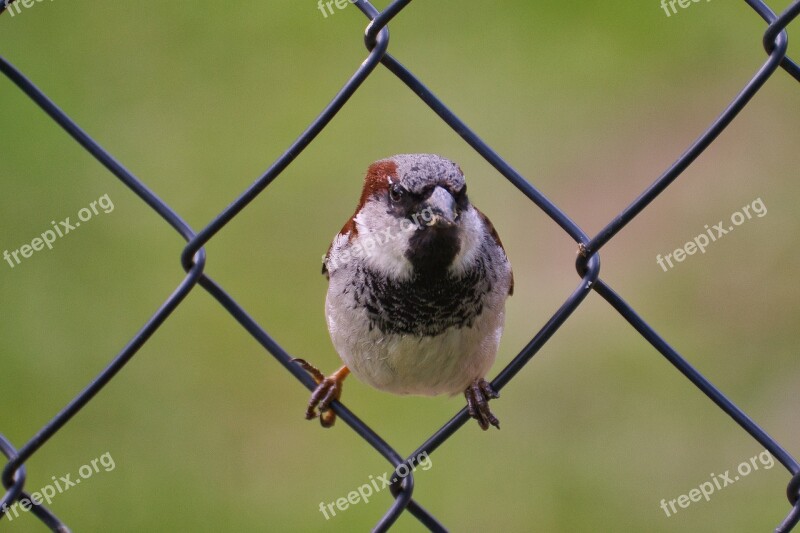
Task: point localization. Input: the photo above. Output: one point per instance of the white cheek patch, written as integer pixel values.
(384, 242)
(472, 233)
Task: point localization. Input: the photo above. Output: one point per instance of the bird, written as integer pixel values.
(417, 284)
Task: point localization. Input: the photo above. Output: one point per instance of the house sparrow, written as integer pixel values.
(418, 280)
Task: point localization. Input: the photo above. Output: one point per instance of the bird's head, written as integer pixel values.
(414, 217)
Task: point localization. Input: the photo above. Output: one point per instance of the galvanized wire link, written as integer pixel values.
(193, 259)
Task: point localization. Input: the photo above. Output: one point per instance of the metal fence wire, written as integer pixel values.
(193, 259)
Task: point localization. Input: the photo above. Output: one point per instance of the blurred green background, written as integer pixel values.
(591, 102)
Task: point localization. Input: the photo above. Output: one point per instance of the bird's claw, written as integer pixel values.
(329, 390)
(478, 395)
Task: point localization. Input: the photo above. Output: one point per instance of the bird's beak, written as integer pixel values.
(440, 209)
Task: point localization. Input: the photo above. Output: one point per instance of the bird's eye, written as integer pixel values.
(396, 193)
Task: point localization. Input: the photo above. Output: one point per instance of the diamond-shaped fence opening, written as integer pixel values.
(588, 263)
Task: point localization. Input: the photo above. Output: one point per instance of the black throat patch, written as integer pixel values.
(432, 250)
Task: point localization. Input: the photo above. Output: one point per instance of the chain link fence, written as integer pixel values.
(193, 259)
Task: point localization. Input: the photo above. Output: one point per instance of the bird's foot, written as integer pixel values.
(478, 395)
(328, 390)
